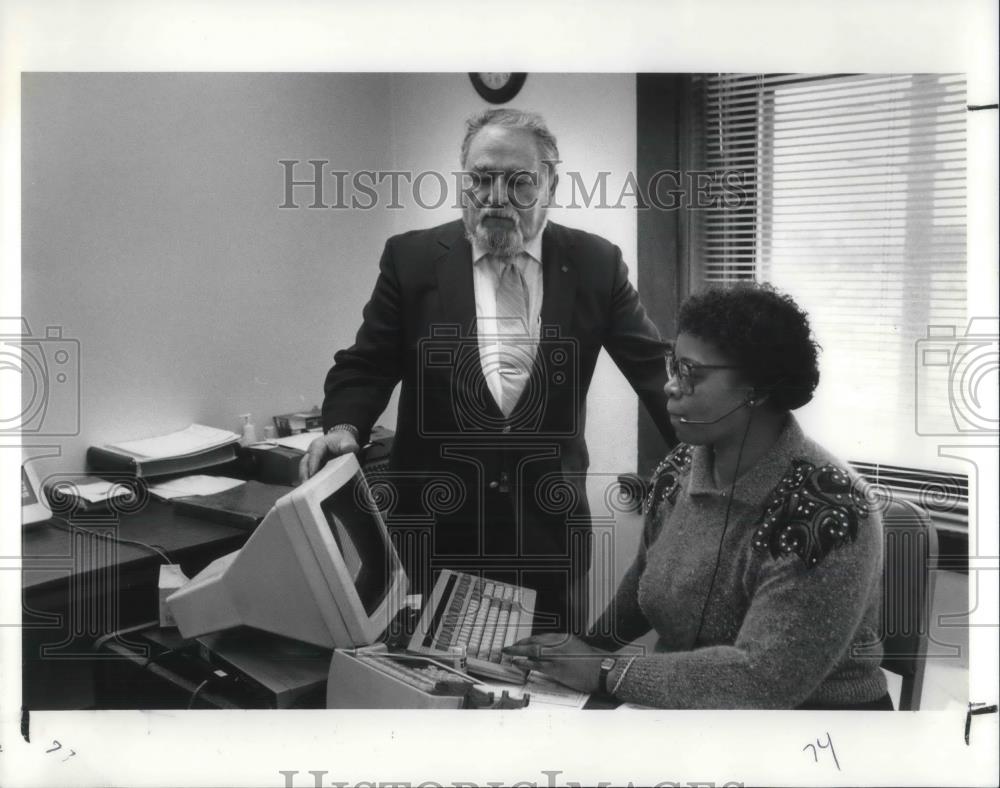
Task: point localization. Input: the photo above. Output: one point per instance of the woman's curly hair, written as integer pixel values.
(763, 331)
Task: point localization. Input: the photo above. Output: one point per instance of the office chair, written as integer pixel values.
(911, 548)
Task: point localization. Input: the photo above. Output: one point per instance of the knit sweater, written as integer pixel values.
(793, 615)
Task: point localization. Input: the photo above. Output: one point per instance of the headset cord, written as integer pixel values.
(725, 527)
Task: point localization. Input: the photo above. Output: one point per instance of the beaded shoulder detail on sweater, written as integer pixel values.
(666, 481)
(810, 512)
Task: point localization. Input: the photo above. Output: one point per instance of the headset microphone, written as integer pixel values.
(747, 403)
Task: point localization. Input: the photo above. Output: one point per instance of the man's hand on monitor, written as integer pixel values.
(333, 444)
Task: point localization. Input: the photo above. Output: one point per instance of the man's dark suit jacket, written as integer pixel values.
(466, 487)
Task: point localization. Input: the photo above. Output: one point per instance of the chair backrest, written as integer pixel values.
(910, 550)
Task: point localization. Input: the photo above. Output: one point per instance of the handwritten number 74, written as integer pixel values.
(822, 746)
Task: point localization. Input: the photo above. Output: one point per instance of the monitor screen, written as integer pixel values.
(362, 544)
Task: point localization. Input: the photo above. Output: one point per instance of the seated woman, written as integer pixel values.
(760, 564)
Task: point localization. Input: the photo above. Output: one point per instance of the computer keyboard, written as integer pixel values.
(479, 617)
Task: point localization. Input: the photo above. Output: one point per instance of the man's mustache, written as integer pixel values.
(498, 215)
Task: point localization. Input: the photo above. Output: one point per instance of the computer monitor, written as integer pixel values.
(319, 568)
(34, 506)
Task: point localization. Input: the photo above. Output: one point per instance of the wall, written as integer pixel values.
(152, 234)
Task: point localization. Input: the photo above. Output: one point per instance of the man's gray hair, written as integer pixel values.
(548, 151)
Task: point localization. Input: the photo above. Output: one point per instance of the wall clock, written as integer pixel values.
(497, 87)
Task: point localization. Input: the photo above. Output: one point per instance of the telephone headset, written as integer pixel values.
(749, 402)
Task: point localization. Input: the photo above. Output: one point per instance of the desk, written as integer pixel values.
(173, 673)
(78, 585)
(160, 669)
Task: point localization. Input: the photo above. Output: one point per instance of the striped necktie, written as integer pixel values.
(515, 351)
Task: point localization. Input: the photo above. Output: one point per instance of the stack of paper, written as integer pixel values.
(90, 491)
(545, 693)
(194, 439)
(191, 449)
(193, 485)
(299, 441)
(97, 491)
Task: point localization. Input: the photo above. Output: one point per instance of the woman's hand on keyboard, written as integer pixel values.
(565, 658)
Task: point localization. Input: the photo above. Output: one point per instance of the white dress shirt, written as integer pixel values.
(486, 271)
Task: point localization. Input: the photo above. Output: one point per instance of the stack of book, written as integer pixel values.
(293, 423)
(194, 448)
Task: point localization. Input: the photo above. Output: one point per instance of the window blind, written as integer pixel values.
(854, 203)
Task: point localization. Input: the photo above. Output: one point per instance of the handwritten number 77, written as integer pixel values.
(57, 747)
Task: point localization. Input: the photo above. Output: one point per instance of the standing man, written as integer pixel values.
(494, 324)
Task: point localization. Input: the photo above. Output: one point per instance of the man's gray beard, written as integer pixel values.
(499, 243)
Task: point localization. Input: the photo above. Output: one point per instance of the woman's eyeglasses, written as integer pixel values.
(685, 372)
